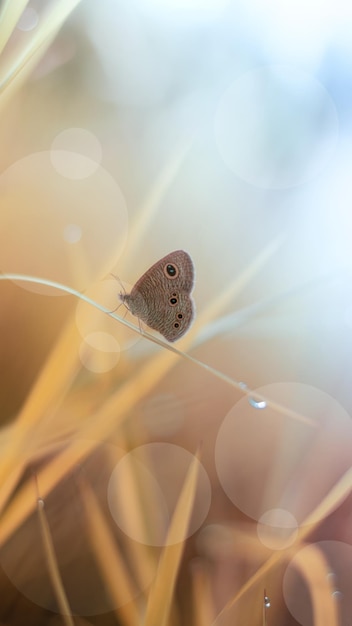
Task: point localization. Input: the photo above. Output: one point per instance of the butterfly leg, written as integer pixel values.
(116, 309)
(140, 326)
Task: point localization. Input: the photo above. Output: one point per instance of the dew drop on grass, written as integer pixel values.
(337, 595)
(257, 404)
(267, 602)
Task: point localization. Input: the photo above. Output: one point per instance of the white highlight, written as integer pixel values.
(72, 233)
(76, 153)
(99, 352)
(28, 20)
(277, 529)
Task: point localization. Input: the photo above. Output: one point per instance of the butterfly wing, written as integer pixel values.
(178, 318)
(161, 297)
(184, 278)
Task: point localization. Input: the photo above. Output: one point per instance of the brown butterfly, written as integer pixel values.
(161, 297)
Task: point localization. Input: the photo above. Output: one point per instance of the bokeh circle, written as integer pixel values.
(28, 20)
(277, 529)
(99, 352)
(267, 459)
(320, 574)
(58, 228)
(91, 320)
(145, 487)
(78, 526)
(76, 153)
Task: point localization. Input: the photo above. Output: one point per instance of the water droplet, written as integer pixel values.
(257, 404)
(40, 503)
(267, 602)
(242, 385)
(337, 595)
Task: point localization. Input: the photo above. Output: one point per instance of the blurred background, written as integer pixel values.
(131, 128)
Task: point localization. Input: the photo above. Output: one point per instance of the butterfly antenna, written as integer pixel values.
(123, 293)
(119, 281)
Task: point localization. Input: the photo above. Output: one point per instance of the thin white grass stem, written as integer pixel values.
(242, 388)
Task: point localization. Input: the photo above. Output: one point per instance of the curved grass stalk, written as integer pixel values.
(57, 375)
(337, 494)
(314, 568)
(18, 63)
(240, 386)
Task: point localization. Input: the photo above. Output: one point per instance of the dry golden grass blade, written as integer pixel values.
(337, 494)
(53, 20)
(12, 81)
(202, 595)
(138, 511)
(52, 383)
(113, 567)
(162, 590)
(334, 498)
(55, 378)
(60, 370)
(314, 568)
(63, 363)
(139, 553)
(254, 580)
(53, 568)
(22, 504)
(51, 370)
(10, 483)
(10, 13)
(20, 59)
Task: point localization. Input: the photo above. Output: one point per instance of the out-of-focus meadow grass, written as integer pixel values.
(207, 483)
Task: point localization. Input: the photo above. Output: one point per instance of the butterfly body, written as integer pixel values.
(161, 297)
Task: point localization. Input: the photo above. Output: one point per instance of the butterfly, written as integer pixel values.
(162, 296)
